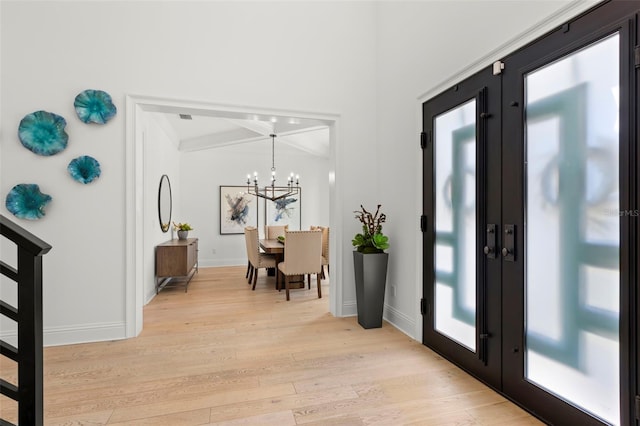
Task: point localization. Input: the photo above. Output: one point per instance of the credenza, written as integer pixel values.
(176, 259)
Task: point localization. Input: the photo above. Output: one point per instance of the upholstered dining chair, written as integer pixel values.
(271, 232)
(325, 248)
(258, 260)
(249, 266)
(302, 256)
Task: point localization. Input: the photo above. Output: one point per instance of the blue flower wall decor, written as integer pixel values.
(94, 106)
(26, 201)
(84, 169)
(43, 133)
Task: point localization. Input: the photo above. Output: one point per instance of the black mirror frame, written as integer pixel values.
(164, 179)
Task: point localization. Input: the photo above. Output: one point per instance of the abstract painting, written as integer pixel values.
(237, 210)
(285, 211)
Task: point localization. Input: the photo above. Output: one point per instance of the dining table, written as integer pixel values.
(276, 248)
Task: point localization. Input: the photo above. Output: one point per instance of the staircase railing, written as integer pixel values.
(28, 316)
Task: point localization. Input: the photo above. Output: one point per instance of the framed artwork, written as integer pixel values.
(285, 211)
(237, 210)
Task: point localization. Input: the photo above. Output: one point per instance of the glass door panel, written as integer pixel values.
(572, 277)
(455, 224)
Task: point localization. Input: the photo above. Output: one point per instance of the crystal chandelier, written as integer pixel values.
(273, 192)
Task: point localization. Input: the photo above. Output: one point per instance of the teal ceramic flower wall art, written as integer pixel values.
(43, 133)
(25, 201)
(84, 169)
(94, 106)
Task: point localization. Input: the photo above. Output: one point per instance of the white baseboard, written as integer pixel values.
(349, 308)
(209, 263)
(400, 321)
(57, 336)
(85, 333)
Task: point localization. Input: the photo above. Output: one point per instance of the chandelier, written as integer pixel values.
(273, 192)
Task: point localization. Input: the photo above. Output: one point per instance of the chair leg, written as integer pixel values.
(318, 279)
(308, 281)
(248, 269)
(286, 285)
(255, 278)
(250, 275)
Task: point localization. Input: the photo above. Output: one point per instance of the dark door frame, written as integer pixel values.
(484, 87)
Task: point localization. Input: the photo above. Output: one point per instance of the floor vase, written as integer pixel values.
(371, 277)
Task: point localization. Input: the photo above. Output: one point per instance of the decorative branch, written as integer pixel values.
(373, 222)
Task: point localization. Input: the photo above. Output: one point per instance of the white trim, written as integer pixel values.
(336, 288)
(67, 335)
(208, 263)
(350, 308)
(400, 321)
(85, 333)
(133, 304)
(134, 221)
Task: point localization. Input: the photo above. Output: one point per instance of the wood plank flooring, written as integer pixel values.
(222, 354)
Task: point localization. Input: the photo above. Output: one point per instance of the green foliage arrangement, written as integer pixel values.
(371, 240)
(182, 226)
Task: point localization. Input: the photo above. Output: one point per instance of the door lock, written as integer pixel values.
(490, 248)
(509, 249)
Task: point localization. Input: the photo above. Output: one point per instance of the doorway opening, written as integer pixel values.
(137, 254)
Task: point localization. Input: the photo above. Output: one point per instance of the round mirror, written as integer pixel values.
(164, 203)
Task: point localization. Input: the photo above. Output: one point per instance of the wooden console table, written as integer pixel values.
(176, 259)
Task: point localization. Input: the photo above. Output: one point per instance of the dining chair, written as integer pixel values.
(271, 232)
(258, 260)
(302, 256)
(249, 266)
(325, 248)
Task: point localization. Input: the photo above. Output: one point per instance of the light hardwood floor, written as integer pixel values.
(222, 354)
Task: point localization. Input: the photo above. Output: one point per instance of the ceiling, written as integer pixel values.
(199, 130)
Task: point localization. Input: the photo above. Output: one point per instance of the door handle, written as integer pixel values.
(490, 248)
(509, 249)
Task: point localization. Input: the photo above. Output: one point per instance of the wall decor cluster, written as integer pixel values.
(237, 209)
(84, 169)
(43, 133)
(94, 106)
(25, 201)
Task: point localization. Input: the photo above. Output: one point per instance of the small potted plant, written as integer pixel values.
(371, 240)
(370, 265)
(183, 230)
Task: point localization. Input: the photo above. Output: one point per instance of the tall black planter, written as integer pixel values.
(371, 278)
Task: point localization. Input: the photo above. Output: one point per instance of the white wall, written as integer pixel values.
(204, 171)
(366, 62)
(301, 56)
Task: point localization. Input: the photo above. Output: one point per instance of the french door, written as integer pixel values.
(530, 236)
